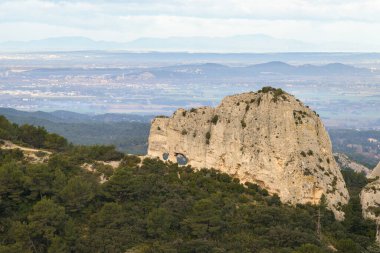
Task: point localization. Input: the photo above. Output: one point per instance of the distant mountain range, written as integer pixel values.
(234, 44)
(210, 70)
(25, 117)
(272, 68)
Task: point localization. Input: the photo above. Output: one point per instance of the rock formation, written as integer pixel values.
(375, 172)
(344, 162)
(370, 199)
(269, 138)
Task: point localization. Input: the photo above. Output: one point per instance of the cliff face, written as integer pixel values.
(375, 172)
(268, 138)
(370, 197)
(370, 201)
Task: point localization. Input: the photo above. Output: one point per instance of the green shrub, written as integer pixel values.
(106, 170)
(40, 154)
(130, 161)
(215, 119)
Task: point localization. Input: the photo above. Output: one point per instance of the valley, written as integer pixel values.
(343, 88)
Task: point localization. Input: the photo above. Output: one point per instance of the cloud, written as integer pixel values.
(309, 20)
(363, 10)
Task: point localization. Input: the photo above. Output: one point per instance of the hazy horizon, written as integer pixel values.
(255, 43)
(193, 25)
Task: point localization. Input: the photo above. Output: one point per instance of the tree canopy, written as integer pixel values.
(152, 206)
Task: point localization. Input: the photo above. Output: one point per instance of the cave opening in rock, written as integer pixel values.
(181, 159)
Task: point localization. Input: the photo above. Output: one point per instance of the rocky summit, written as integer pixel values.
(267, 137)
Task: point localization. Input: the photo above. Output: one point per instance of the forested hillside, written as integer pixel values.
(151, 206)
(127, 132)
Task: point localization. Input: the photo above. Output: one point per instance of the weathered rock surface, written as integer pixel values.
(268, 138)
(375, 172)
(370, 201)
(344, 162)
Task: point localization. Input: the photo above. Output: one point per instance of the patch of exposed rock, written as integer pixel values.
(344, 162)
(375, 172)
(268, 138)
(30, 154)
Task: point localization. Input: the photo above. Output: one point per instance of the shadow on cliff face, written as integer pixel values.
(181, 159)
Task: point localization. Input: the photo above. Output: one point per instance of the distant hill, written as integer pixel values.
(308, 69)
(270, 68)
(128, 132)
(71, 117)
(208, 70)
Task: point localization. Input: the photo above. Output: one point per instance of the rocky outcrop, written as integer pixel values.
(344, 162)
(370, 201)
(375, 172)
(269, 138)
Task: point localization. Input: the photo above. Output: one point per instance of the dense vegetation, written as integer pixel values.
(158, 207)
(128, 133)
(36, 137)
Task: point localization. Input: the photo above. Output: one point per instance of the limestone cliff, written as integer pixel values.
(269, 138)
(375, 172)
(370, 201)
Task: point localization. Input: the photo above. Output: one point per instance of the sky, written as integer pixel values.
(314, 21)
